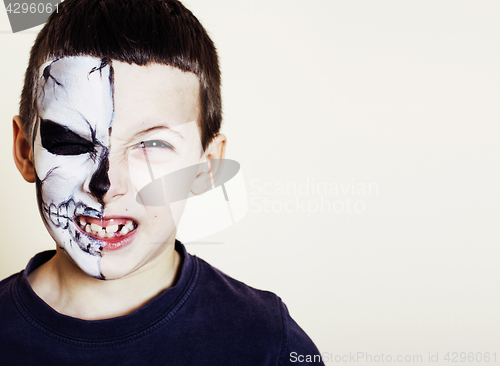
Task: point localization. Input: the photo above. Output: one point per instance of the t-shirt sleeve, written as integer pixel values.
(298, 348)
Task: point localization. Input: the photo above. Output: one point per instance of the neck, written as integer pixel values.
(70, 291)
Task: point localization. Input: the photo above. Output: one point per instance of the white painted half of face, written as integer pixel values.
(70, 148)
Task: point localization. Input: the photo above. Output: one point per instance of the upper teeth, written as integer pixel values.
(109, 231)
(112, 229)
(95, 227)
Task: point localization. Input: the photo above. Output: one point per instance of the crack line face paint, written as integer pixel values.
(71, 143)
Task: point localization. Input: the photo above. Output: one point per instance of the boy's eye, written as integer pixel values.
(60, 140)
(156, 143)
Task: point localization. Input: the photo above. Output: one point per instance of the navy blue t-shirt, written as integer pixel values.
(207, 318)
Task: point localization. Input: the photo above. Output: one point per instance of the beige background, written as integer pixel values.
(399, 99)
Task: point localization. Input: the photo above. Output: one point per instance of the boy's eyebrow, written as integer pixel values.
(158, 127)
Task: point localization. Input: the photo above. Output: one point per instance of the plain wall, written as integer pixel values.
(367, 133)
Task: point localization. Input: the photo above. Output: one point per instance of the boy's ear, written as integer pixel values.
(208, 173)
(22, 151)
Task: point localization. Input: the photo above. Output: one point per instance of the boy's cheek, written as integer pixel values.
(60, 167)
(157, 184)
(64, 177)
(161, 175)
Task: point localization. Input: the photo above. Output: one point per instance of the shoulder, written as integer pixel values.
(6, 284)
(222, 287)
(261, 317)
(10, 321)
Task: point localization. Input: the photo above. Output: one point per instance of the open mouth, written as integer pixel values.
(106, 229)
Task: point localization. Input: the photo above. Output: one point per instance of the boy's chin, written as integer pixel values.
(85, 255)
(88, 263)
(91, 265)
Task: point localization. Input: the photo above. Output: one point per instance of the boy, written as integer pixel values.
(117, 93)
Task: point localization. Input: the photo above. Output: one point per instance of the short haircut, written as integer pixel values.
(134, 31)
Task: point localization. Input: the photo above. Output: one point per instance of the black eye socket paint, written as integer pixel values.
(60, 140)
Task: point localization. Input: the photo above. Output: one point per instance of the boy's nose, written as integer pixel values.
(99, 184)
(110, 180)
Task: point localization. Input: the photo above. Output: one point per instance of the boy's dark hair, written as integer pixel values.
(132, 31)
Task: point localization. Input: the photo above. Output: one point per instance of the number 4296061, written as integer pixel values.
(24, 8)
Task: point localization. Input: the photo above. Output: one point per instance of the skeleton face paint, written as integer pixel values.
(102, 128)
(71, 147)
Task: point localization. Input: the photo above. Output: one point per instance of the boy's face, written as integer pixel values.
(105, 130)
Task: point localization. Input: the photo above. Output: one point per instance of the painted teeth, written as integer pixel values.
(109, 231)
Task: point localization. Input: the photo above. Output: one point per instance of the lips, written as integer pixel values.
(109, 230)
